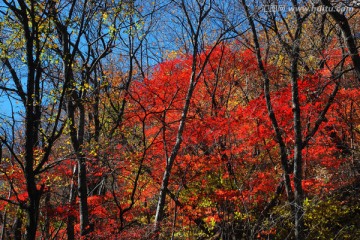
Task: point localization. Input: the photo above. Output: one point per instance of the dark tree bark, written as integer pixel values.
(25, 13)
(272, 116)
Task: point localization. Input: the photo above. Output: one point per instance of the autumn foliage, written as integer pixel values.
(227, 180)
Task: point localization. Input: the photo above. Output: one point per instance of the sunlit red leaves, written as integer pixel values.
(229, 155)
(228, 133)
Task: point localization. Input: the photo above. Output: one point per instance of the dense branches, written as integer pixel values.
(180, 119)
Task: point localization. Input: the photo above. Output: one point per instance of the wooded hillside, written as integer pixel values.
(179, 119)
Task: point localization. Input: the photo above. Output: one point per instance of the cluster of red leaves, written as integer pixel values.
(229, 157)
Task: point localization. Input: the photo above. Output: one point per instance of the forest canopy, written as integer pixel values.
(179, 119)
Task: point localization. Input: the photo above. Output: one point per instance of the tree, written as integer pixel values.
(301, 140)
(197, 12)
(27, 74)
(176, 119)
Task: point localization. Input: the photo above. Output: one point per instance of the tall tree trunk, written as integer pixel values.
(195, 30)
(299, 198)
(77, 132)
(83, 195)
(31, 142)
(46, 232)
(296, 198)
(170, 161)
(17, 228)
(72, 200)
(272, 116)
(32, 209)
(3, 227)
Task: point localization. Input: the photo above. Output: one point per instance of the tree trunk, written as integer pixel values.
(77, 139)
(159, 215)
(272, 116)
(33, 213)
(299, 198)
(33, 192)
(82, 191)
(17, 228)
(3, 227)
(170, 161)
(46, 232)
(195, 31)
(72, 200)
